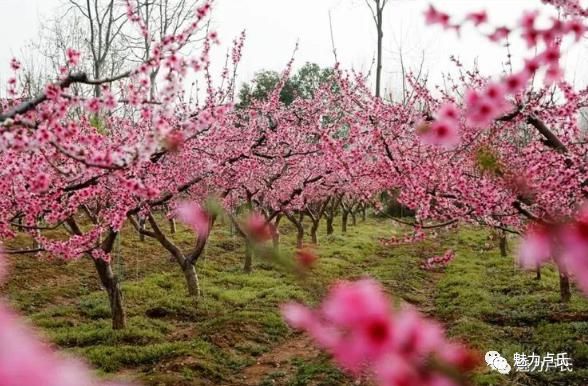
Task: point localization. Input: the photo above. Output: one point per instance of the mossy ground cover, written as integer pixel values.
(481, 298)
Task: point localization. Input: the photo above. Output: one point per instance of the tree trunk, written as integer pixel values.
(564, 283)
(344, 218)
(192, 281)
(142, 227)
(299, 235)
(112, 286)
(313, 232)
(363, 214)
(353, 218)
(379, 17)
(172, 226)
(330, 229)
(248, 258)
(276, 234)
(538, 272)
(503, 244)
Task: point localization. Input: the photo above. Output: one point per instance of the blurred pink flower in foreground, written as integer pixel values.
(25, 361)
(196, 217)
(357, 325)
(258, 229)
(444, 131)
(535, 248)
(305, 258)
(566, 243)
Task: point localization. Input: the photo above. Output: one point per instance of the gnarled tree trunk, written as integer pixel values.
(344, 219)
(313, 232)
(111, 284)
(330, 229)
(192, 280)
(503, 244)
(107, 276)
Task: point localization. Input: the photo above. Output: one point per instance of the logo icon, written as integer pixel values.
(497, 362)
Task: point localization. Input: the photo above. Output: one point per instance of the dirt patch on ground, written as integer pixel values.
(278, 359)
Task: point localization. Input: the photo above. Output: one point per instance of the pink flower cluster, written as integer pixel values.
(566, 244)
(357, 325)
(258, 229)
(417, 236)
(484, 105)
(444, 131)
(437, 262)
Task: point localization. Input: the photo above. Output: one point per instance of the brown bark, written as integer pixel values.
(313, 232)
(107, 276)
(192, 281)
(564, 283)
(248, 258)
(344, 219)
(115, 298)
(299, 225)
(142, 225)
(503, 244)
(276, 235)
(330, 229)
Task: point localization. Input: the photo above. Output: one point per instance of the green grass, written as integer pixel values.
(173, 340)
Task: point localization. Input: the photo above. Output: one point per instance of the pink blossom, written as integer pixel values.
(553, 74)
(552, 55)
(298, 316)
(499, 34)
(355, 323)
(174, 141)
(495, 92)
(531, 37)
(449, 111)
(194, 216)
(535, 249)
(478, 18)
(93, 105)
(258, 229)
(528, 19)
(532, 66)
(433, 16)
(14, 64)
(40, 183)
(575, 248)
(437, 262)
(516, 83)
(576, 27)
(442, 132)
(306, 258)
(352, 303)
(73, 57)
(480, 110)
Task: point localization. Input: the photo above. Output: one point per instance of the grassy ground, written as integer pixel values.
(228, 337)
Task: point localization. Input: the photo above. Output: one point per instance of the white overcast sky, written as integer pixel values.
(274, 26)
